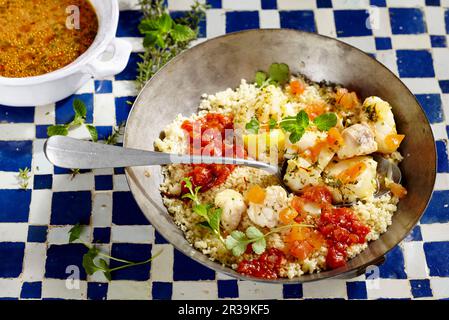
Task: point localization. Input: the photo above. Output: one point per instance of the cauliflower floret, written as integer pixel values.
(233, 206)
(267, 213)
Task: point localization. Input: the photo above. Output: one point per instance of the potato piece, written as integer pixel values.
(358, 140)
(301, 173)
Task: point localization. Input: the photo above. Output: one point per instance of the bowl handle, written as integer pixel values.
(121, 50)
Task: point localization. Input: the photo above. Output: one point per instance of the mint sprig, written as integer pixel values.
(278, 74)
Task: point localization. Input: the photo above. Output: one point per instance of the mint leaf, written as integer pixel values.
(150, 38)
(57, 130)
(325, 121)
(75, 233)
(201, 210)
(214, 220)
(80, 108)
(303, 119)
(88, 261)
(296, 135)
(272, 123)
(182, 33)
(165, 23)
(253, 233)
(239, 249)
(149, 25)
(93, 132)
(279, 72)
(259, 246)
(260, 78)
(253, 126)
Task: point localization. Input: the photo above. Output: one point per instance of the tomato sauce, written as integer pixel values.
(266, 266)
(207, 137)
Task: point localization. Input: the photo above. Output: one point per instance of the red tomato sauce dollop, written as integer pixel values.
(266, 266)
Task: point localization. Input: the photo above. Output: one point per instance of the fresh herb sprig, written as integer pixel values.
(238, 241)
(164, 37)
(211, 215)
(79, 119)
(95, 260)
(24, 177)
(117, 132)
(278, 74)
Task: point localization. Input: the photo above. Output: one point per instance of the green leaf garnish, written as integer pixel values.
(80, 108)
(272, 123)
(260, 78)
(182, 33)
(253, 126)
(296, 126)
(326, 121)
(279, 72)
(74, 233)
(57, 130)
(93, 132)
(24, 177)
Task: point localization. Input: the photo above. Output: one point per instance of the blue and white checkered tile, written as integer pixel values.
(37, 262)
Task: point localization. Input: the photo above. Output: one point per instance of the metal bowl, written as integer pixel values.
(221, 63)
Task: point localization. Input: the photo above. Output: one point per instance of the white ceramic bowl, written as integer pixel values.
(59, 84)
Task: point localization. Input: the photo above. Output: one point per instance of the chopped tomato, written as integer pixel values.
(256, 194)
(334, 139)
(287, 215)
(267, 266)
(297, 234)
(297, 87)
(346, 99)
(301, 249)
(350, 175)
(393, 141)
(317, 194)
(314, 110)
(397, 190)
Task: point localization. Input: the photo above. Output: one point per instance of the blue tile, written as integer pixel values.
(11, 254)
(350, 23)
(356, 290)
(31, 290)
(269, 4)
(123, 106)
(125, 210)
(128, 23)
(300, 20)
(41, 131)
(103, 182)
(119, 170)
(15, 205)
(241, 20)
(393, 267)
(59, 170)
(135, 253)
(438, 41)
(130, 71)
(97, 290)
(437, 258)
(432, 2)
(415, 64)
(438, 209)
(292, 291)
(159, 239)
(162, 290)
(383, 43)
(104, 132)
(42, 181)
(15, 155)
(103, 86)
(443, 159)
(444, 85)
(446, 19)
(71, 208)
(37, 234)
(421, 288)
(227, 289)
(185, 268)
(324, 3)
(415, 235)
(16, 115)
(65, 260)
(378, 3)
(432, 106)
(407, 21)
(102, 235)
(64, 109)
(214, 4)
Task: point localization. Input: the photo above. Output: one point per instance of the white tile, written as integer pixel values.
(34, 262)
(415, 260)
(441, 62)
(295, 4)
(132, 234)
(40, 207)
(40, 163)
(365, 44)
(104, 111)
(325, 22)
(334, 288)
(161, 267)
(257, 290)
(199, 290)
(388, 59)
(124, 88)
(222, 276)
(421, 85)
(129, 4)
(45, 114)
(408, 3)
(13, 232)
(103, 171)
(442, 181)
(217, 28)
(53, 288)
(129, 290)
(390, 288)
(10, 288)
(17, 131)
(60, 235)
(445, 3)
(269, 19)
(439, 130)
(415, 41)
(440, 287)
(435, 232)
(10, 180)
(102, 209)
(241, 5)
(69, 182)
(380, 21)
(120, 183)
(435, 20)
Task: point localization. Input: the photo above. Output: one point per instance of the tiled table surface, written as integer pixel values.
(409, 37)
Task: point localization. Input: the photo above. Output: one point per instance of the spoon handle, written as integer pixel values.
(68, 152)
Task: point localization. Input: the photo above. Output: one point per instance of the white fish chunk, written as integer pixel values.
(267, 214)
(358, 140)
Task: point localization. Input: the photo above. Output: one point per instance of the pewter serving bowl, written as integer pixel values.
(221, 63)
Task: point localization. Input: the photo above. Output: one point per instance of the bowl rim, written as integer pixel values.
(327, 274)
(75, 64)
